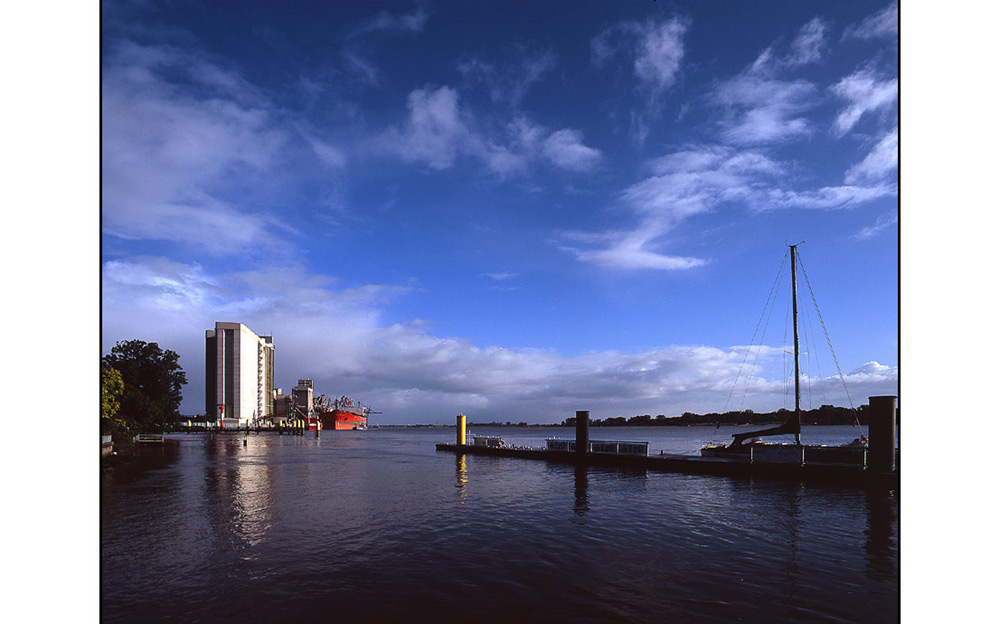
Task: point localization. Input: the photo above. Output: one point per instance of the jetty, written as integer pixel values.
(873, 467)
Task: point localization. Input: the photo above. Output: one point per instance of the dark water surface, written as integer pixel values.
(377, 526)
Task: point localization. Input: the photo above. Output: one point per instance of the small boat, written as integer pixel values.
(748, 445)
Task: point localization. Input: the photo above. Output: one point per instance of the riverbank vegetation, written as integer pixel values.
(140, 390)
(823, 415)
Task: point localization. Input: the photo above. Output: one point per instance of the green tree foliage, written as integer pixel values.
(152, 381)
(112, 389)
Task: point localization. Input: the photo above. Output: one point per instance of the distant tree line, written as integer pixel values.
(823, 415)
(140, 389)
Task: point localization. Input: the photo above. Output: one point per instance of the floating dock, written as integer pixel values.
(688, 464)
(880, 474)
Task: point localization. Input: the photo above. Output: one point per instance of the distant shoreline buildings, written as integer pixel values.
(240, 392)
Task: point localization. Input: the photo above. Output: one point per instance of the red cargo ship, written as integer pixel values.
(344, 414)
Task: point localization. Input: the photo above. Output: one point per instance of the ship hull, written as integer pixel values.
(340, 420)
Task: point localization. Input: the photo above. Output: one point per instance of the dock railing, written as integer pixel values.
(148, 438)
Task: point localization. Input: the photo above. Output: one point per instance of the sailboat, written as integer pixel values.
(755, 449)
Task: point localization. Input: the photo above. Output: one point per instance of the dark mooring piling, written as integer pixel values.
(582, 432)
(882, 434)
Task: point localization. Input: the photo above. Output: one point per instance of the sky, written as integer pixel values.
(513, 210)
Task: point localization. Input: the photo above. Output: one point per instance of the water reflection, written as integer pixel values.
(581, 502)
(238, 489)
(461, 474)
(881, 516)
(793, 499)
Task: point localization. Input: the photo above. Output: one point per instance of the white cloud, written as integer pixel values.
(335, 335)
(630, 253)
(808, 44)
(660, 50)
(807, 47)
(763, 110)
(566, 150)
(759, 105)
(695, 181)
(874, 368)
(439, 130)
(883, 222)
(501, 276)
(882, 159)
(384, 21)
(885, 23)
(864, 93)
(163, 153)
(657, 53)
(826, 198)
(434, 132)
(657, 49)
(327, 153)
(684, 184)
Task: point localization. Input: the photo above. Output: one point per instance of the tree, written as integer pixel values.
(112, 389)
(152, 381)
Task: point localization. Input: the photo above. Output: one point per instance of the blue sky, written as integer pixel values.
(513, 210)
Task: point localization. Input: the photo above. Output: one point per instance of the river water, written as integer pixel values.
(378, 526)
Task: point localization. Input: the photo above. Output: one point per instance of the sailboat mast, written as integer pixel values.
(795, 335)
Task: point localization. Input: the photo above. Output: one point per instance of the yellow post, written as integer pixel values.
(460, 433)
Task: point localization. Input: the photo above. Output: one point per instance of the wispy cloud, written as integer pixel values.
(656, 49)
(885, 24)
(807, 47)
(509, 80)
(761, 106)
(884, 221)
(864, 93)
(404, 22)
(565, 149)
(825, 198)
(438, 130)
(434, 132)
(882, 159)
(761, 110)
(357, 46)
(500, 277)
(166, 152)
(684, 184)
(809, 43)
(695, 181)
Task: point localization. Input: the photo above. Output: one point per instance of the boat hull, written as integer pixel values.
(340, 420)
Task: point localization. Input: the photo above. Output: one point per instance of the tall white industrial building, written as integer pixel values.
(239, 374)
